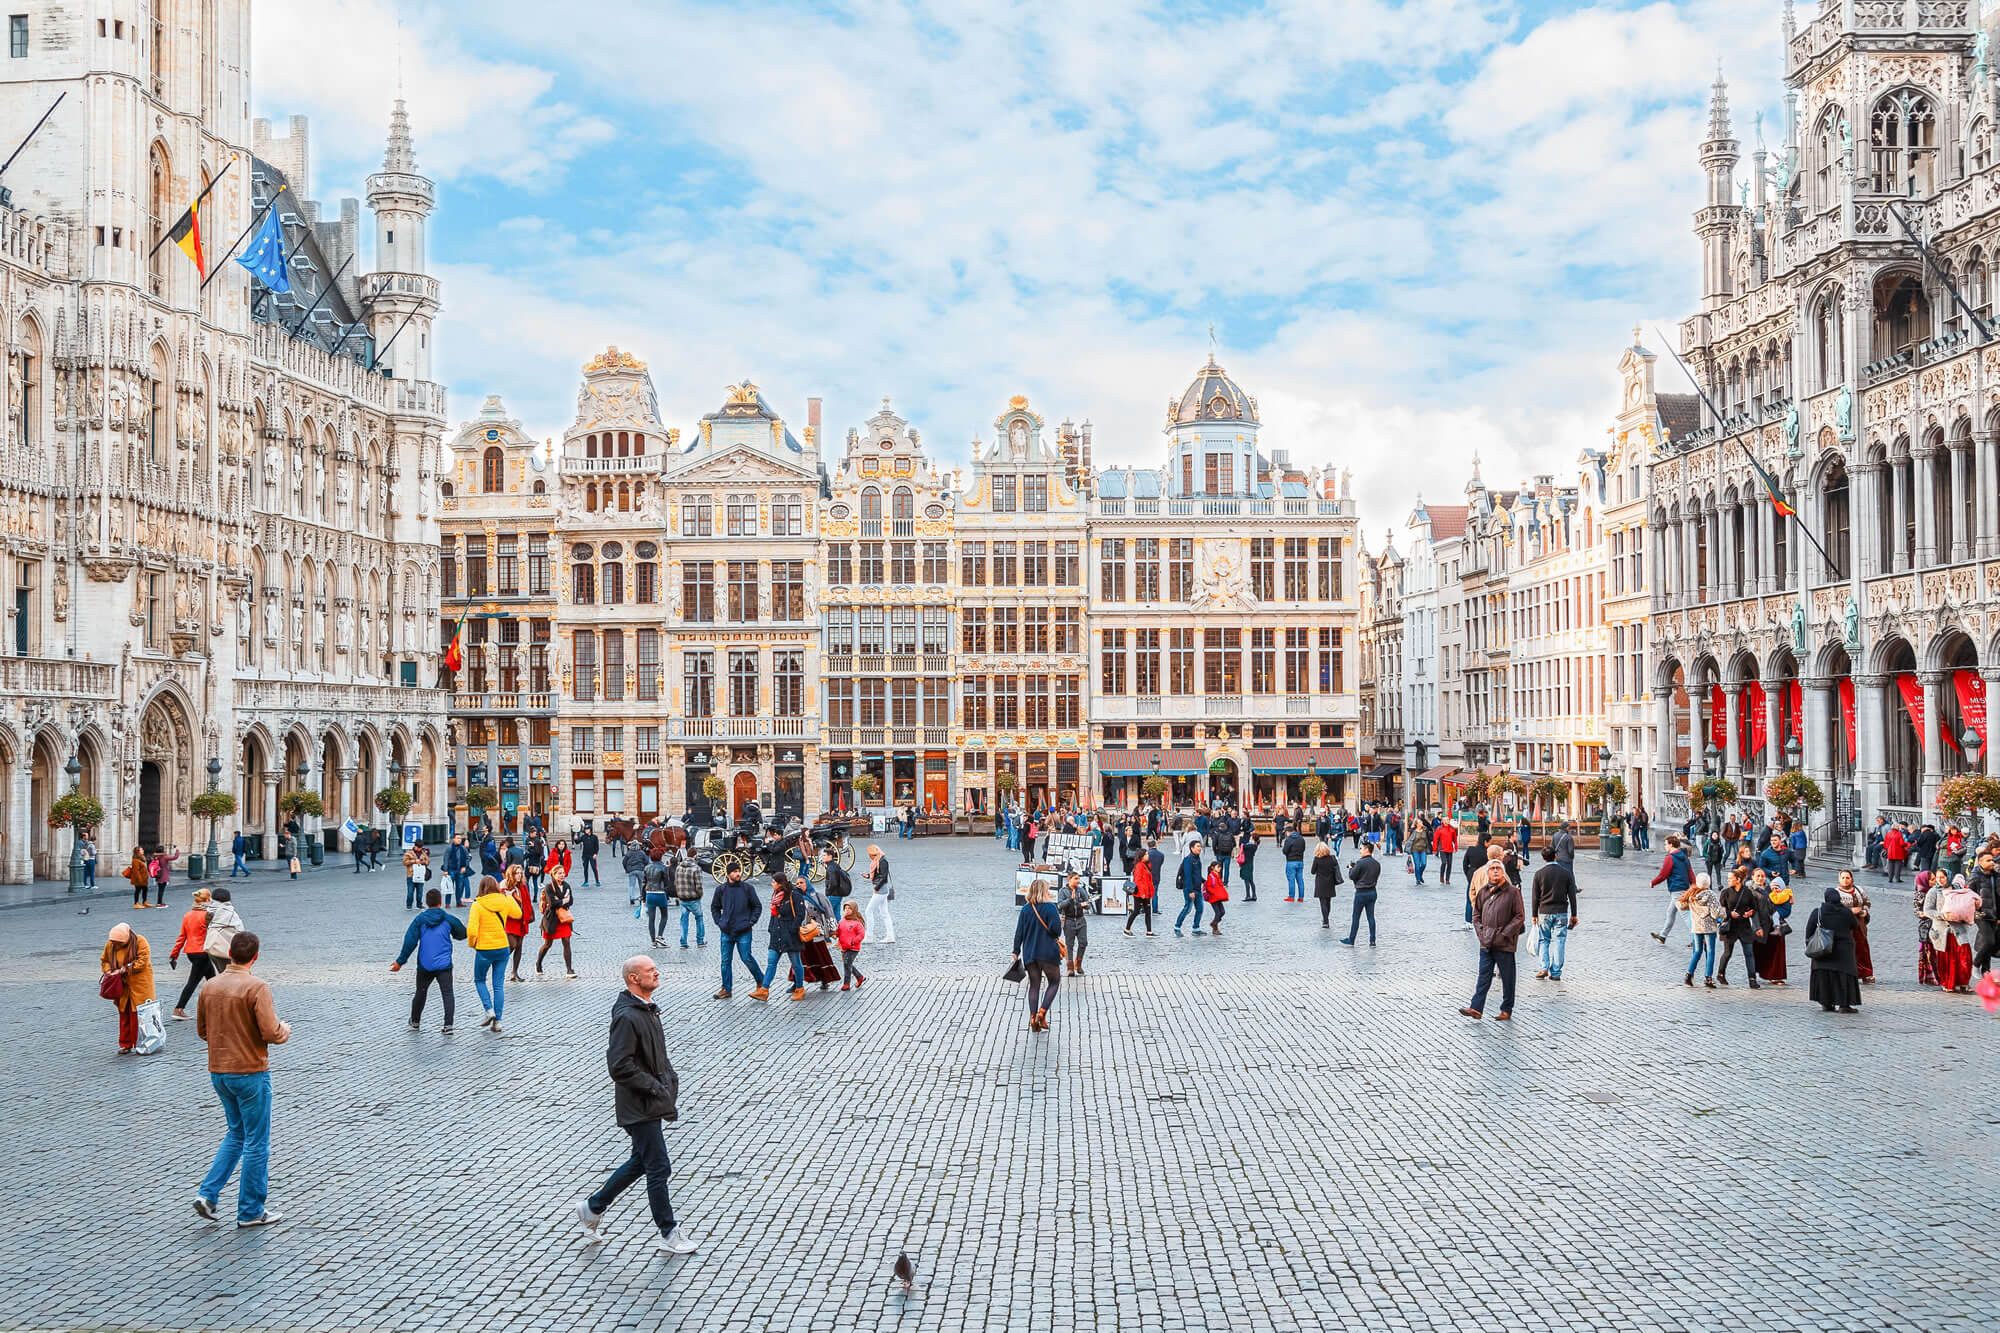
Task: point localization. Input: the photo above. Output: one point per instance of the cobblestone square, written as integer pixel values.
(1266, 1130)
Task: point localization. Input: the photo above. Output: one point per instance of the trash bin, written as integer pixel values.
(314, 851)
(197, 865)
(1614, 844)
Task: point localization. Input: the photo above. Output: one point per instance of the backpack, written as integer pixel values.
(1960, 905)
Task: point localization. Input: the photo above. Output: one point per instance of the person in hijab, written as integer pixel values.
(1768, 956)
(127, 954)
(1855, 901)
(1835, 981)
(1949, 915)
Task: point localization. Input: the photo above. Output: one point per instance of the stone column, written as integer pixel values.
(1818, 758)
(1958, 545)
(1732, 710)
(1663, 743)
(274, 832)
(17, 867)
(1899, 522)
(1983, 537)
(1871, 776)
(1933, 684)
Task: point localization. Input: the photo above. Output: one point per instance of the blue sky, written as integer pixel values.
(1421, 229)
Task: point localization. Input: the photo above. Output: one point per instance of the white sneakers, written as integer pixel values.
(588, 1218)
(675, 1243)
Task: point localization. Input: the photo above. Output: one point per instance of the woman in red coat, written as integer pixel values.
(557, 900)
(1896, 851)
(559, 856)
(1142, 894)
(515, 885)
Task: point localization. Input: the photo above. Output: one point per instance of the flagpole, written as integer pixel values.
(314, 307)
(392, 339)
(197, 202)
(1924, 253)
(217, 266)
(1737, 436)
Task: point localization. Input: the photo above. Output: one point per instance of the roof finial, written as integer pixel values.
(399, 156)
(1211, 342)
(1718, 105)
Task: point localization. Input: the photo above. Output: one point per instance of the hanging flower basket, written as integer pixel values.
(301, 802)
(75, 810)
(393, 801)
(213, 805)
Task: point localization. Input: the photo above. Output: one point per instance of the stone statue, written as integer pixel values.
(343, 628)
(1792, 431)
(343, 488)
(365, 491)
(1798, 627)
(117, 398)
(299, 627)
(270, 618)
(1843, 414)
(14, 390)
(1853, 619)
(1979, 57)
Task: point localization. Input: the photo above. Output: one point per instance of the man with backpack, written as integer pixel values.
(687, 888)
(1676, 872)
(429, 938)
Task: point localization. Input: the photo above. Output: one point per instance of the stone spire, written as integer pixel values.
(400, 155)
(1718, 108)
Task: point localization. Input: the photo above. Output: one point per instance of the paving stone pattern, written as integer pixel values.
(1262, 1131)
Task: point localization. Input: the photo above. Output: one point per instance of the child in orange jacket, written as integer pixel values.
(853, 929)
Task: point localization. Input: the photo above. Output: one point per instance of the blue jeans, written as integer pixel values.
(632, 886)
(1295, 881)
(796, 974)
(246, 1106)
(738, 946)
(657, 910)
(1193, 904)
(494, 961)
(1552, 941)
(237, 869)
(1364, 901)
(1420, 860)
(90, 873)
(692, 912)
(1704, 948)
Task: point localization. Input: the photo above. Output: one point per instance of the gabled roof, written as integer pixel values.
(1447, 521)
(1681, 412)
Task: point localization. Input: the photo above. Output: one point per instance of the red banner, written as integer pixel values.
(1718, 719)
(1795, 701)
(1913, 702)
(1760, 717)
(1847, 713)
(1971, 689)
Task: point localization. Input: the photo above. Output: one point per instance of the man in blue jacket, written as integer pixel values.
(1189, 876)
(429, 938)
(458, 869)
(1676, 872)
(237, 846)
(736, 910)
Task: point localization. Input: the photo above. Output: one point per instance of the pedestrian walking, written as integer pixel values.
(192, 941)
(488, 935)
(1038, 947)
(839, 884)
(853, 930)
(1246, 863)
(1950, 910)
(126, 979)
(1190, 879)
(1497, 920)
(1444, 842)
(238, 1018)
(1834, 983)
(1564, 846)
(656, 882)
(558, 918)
(429, 938)
(359, 849)
(1294, 848)
(646, 1092)
(1142, 895)
(1073, 906)
(1367, 874)
(1741, 927)
(1215, 892)
(1769, 955)
(1984, 881)
(735, 911)
(1555, 912)
(881, 926)
(586, 853)
(1704, 907)
(687, 890)
(515, 885)
(634, 863)
(1895, 851)
(788, 916)
(223, 925)
(1476, 858)
(238, 846)
(1420, 848)
(1677, 873)
(138, 877)
(1856, 901)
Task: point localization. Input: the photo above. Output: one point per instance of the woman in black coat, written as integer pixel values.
(788, 913)
(1836, 980)
(1741, 926)
(1326, 879)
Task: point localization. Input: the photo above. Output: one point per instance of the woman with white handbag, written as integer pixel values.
(881, 926)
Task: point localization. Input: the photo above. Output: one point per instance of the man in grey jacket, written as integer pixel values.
(647, 1092)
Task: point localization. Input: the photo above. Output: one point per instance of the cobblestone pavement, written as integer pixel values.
(1261, 1131)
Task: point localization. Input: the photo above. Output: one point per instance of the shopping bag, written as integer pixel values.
(152, 1031)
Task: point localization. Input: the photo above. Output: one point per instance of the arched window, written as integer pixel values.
(541, 487)
(494, 478)
(1832, 148)
(590, 497)
(590, 446)
(624, 496)
(1902, 144)
(624, 444)
(159, 198)
(22, 407)
(1902, 315)
(638, 446)
(157, 420)
(1978, 286)
(1828, 344)
(871, 512)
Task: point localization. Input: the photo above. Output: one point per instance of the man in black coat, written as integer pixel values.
(586, 854)
(647, 1091)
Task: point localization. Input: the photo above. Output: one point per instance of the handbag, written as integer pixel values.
(1015, 972)
(809, 932)
(1820, 943)
(564, 916)
(112, 986)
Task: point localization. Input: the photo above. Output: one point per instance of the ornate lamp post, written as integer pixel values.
(214, 775)
(75, 772)
(1604, 805)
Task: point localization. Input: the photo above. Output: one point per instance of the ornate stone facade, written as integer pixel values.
(221, 532)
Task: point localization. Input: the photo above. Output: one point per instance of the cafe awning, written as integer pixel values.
(1323, 759)
(1438, 774)
(1384, 771)
(1139, 763)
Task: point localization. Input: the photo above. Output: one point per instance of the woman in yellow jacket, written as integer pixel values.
(486, 934)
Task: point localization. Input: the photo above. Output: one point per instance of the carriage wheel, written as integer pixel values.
(847, 856)
(815, 870)
(719, 865)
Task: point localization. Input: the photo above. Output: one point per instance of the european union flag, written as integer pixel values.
(265, 255)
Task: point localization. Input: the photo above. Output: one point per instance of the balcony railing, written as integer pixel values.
(1222, 705)
(583, 758)
(1149, 705)
(1298, 703)
(55, 677)
(645, 757)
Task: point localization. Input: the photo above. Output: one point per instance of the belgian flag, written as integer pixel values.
(186, 233)
(454, 652)
(1771, 490)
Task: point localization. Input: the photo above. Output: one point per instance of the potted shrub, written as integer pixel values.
(74, 810)
(1312, 788)
(1004, 781)
(713, 789)
(212, 806)
(866, 786)
(1153, 788)
(300, 803)
(1551, 797)
(1717, 791)
(478, 800)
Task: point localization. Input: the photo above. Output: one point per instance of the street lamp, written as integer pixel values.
(75, 772)
(1604, 803)
(1792, 752)
(302, 845)
(214, 773)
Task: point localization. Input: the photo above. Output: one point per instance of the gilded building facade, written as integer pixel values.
(219, 502)
(1222, 614)
(497, 535)
(888, 563)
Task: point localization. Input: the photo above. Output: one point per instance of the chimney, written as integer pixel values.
(812, 422)
(1086, 448)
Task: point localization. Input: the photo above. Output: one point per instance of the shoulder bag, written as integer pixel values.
(1820, 944)
(112, 986)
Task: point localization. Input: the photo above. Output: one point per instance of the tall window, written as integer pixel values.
(17, 36)
(582, 580)
(1035, 629)
(839, 565)
(788, 590)
(1035, 704)
(903, 512)
(1222, 661)
(1069, 702)
(1146, 569)
(840, 631)
(1006, 702)
(1298, 587)
(787, 516)
(743, 682)
(903, 630)
(1111, 569)
(902, 563)
(159, 200)
(1298, 661)
(788, 682)
(1068, 570)
(1111, 661)
(937, 562)
(1146, 661)
(903, 702)
(937, 630)
(874, 702)
(972, 630)
(475, 567)
(1034, 564)
(1263, 569)
(1332, 662)
(1004, 572)
(507, 560)
(614, 664)
(584, 685)
(1003, 494)
(871, 564)
(741, 515)
(973, 711)
(1329, 569)
(648, 682)
(972, 564)
(646, 575)
(1829, 343)
(1006, 630)
(874, 632)
(871, 512)
(1035, 493)
(1180, 661)
(538, 564)
(743, 591)
(1263, 661)
(1902, 144)
(493, 475)
(448, 567)
(698, 592)
(1068, 630)
(698, 677)
(697, 516)
(1180, 569)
